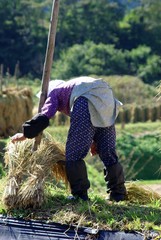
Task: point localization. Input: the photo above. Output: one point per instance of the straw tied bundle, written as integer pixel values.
(28, 171)
(141, 194)
(14, 100)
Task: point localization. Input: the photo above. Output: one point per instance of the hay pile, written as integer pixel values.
(141, 194)
(28, 171)
(15, 108)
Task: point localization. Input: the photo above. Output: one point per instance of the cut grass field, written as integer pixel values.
(98, 212)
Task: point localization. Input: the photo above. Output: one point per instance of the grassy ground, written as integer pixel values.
(141, 128)
(138, 129)
(98, 212)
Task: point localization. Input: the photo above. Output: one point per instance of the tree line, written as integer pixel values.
(93, 37)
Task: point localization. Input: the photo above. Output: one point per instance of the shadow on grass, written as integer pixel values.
(115, 216)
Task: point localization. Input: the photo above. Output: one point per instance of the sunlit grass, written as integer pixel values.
(97, 213)
(140, 128)
(60, 132)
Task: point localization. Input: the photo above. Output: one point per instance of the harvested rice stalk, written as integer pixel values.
(31, 193)
(44, 162)
(16, 161)
(10, 192)
(17, 157)
(31, 169)
(140, 194)
(58, 171)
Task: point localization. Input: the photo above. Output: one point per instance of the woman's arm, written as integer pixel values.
(37, 124)
(32, 128)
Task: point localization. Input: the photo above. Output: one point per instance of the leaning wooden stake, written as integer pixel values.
(48, 62)
(1, 78)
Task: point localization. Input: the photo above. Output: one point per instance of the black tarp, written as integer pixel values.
(19, 229)
(117, 235)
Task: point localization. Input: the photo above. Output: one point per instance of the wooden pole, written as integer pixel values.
(1, 78)
(48, 62)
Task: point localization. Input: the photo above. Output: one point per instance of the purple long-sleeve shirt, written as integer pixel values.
(103, 107)
(58, 99)
(59, 96)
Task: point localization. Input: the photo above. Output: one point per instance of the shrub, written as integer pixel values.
(90, 58)
(101, 59)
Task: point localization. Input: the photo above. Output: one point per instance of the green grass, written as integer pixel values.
(150, 182)
(58, 132)
(98, 213)
(140, 128)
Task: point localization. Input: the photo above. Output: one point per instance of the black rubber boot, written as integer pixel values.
(78, 179)
(114, 177)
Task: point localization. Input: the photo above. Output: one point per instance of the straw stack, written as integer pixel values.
(15, 107)
(141, 194)
(28, 171)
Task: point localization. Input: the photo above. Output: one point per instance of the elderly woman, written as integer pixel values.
(92, 109)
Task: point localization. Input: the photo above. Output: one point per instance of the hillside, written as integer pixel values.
(140, 100)
(130, 89)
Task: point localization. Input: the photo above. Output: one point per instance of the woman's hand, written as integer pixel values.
(18, 137)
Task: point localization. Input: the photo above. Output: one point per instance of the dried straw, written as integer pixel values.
(12, 101)
(10, 193)
(141, 194)
(31, 193)
(28, 171)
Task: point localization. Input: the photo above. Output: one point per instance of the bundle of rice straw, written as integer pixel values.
(141, 194)
(14, 100)
(28, 171)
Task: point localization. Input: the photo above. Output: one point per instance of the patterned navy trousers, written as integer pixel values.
(82, 133)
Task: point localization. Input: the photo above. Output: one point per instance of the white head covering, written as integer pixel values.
(52, 84)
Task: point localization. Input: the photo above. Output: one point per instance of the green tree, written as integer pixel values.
(151, 70)
(104, 59)
(142, 26)
(88, 20)
(89, 58)
(24, 29)
(152, 22)
(23, 34)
